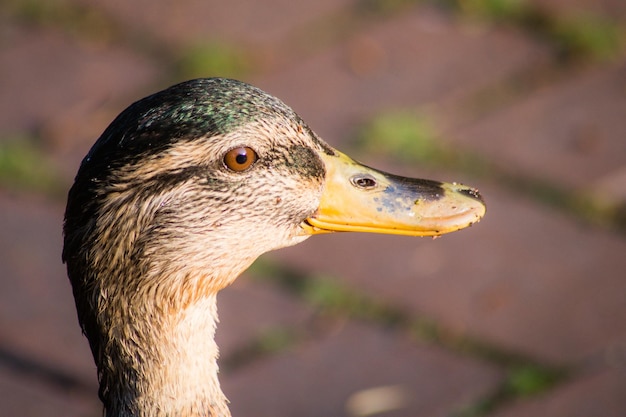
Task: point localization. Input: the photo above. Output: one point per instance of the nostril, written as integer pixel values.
(472, 192)
(363, 181)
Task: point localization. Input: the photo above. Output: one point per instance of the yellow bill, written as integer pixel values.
(357, 198)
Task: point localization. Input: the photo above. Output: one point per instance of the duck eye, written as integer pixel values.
(240, 159)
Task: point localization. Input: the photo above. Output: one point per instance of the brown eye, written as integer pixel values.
(240, 159)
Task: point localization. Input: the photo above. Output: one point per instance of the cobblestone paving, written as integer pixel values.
(521, 315)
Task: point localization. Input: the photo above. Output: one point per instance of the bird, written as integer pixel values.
(178, 196)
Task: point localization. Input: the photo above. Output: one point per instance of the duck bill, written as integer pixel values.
(357, 198)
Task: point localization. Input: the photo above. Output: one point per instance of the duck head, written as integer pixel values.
(180, 194)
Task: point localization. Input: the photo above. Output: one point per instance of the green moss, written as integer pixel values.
(77, 19)
(573, 37)
(213, 59)
(402, 134)
(522, 381)
(587, 35)
(499, 10)
(327, 294)
(527, 380)
(410, 137)
(267, 343)
(426, 330)
(24, 166)
(383, 7)
(275, 340)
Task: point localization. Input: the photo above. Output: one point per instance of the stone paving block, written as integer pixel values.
(525, 279)
(64, 88)
(23, 397)
(571, 132)
(601, 394)
(411, 60)
(45, 73)
(612, 9)
(249, 310)
(323, 377)
(37, 314)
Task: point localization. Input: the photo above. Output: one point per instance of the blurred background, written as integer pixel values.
(521, 315)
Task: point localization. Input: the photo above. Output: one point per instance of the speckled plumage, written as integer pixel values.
(157, 222)
(153, 211)
(185, 112)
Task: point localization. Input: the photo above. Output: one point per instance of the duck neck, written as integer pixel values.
(171, 370)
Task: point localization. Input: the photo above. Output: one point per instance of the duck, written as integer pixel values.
(178, 196)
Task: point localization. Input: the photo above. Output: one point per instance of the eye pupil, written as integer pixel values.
(239, 159)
